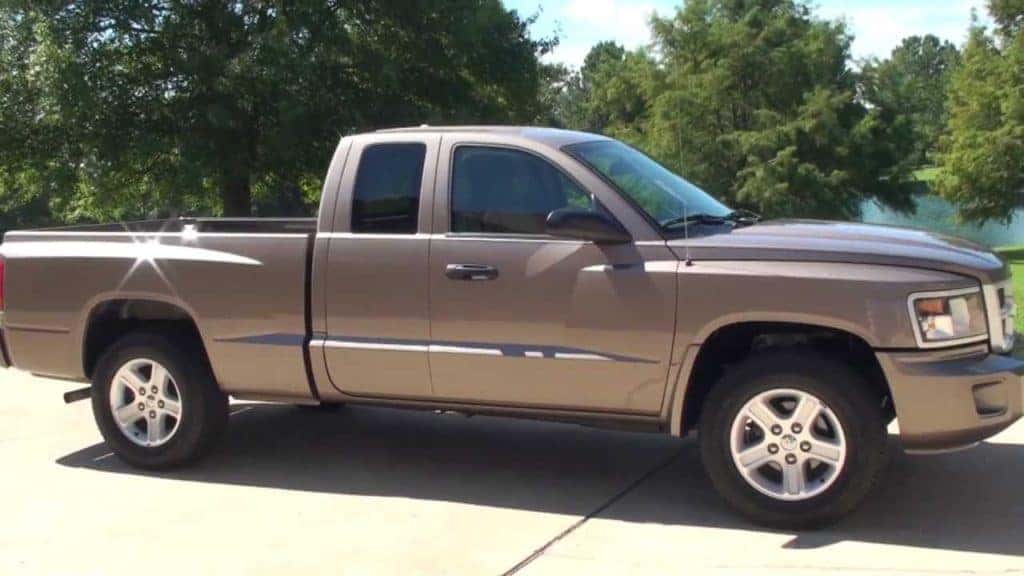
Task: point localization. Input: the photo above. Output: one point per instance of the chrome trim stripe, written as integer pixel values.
(126, 233)
(440, 347)
(647, 266)
(375, 346)
(447, 349)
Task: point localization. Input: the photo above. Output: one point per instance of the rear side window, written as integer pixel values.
(502, 191)
(386, 198)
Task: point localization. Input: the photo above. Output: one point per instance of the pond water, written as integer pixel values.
(935, 214)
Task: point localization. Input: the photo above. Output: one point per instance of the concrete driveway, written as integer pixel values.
(369, 490)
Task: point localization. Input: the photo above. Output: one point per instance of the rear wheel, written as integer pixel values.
(793, 440)
(155, 401)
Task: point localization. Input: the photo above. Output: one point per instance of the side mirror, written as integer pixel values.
(582, 224)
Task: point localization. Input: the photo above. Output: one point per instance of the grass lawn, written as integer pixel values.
(1015, 256)
(926, 174)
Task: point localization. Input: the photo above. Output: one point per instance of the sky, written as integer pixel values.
(878, 25)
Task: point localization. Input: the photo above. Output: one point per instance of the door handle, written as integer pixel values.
(470, 272)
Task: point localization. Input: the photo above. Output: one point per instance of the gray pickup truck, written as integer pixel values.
(535, 273)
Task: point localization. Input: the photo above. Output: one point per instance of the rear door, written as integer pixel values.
(522, 318)
(376, 292)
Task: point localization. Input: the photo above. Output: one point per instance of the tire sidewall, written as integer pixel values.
(832, 384)
(187, 378)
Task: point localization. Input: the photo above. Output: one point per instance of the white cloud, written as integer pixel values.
(626, 21)
(878, 25)
(880, 28)
(587, 22)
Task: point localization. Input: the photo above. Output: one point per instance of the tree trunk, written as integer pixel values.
(236, 194)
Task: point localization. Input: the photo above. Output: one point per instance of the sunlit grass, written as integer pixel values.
(926, 174)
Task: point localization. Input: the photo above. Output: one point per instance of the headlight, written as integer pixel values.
(948, 318)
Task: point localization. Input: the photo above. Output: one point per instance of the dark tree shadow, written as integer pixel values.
(971, 501)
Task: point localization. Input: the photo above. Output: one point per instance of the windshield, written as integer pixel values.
(664, 196)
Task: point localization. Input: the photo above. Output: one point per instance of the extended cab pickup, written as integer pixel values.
(536, 273)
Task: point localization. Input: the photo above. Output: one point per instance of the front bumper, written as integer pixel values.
(952, 399)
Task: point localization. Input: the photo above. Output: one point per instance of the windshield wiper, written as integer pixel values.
(737, 217)
(743, 217)
(695, 218)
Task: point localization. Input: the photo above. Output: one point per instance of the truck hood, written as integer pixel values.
(846, 242)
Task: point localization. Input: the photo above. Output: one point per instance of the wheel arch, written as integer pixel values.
(728, 343)
(108, 320)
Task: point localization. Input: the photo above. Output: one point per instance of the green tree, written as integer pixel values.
(754, 100)
(115, 109)
(982, 164)
(911, 85)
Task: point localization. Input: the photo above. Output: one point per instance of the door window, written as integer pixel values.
(503, 191)
(386, 197)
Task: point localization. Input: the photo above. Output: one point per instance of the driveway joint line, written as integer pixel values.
(594, 513)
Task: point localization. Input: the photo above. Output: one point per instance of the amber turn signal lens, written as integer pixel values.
(931, 306)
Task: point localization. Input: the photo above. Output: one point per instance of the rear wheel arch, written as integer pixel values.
(109, 320)
(730, 344)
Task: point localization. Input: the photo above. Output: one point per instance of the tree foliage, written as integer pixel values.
(983, 153)
(755, 101)
(110, 109)
(911, 85)
(122, 109)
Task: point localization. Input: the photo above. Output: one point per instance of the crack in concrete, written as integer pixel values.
(592, 514)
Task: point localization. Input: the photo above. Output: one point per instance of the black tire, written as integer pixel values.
(204, 408)
(834, 383)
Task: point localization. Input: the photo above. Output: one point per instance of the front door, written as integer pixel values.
(522, 318)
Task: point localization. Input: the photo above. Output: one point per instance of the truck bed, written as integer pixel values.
(244, 281)
(219, 225)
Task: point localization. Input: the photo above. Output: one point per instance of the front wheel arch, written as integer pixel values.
(731, 344)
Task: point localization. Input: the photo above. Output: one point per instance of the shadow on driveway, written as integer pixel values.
(970, 501)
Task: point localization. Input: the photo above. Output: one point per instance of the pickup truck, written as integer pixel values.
(535, 273)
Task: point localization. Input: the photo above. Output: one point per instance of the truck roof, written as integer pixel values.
(555, 137)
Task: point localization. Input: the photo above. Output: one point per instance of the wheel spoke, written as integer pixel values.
(825, 452)
(761, 415)
(155, 428)
(793, 479)
(159, 378)
(128, 414)
(171, 407)
(755, 457)
(806, 411)
(130, 379)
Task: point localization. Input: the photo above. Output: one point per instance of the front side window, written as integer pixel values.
(663, 195)
(503, 191)
(386, 197)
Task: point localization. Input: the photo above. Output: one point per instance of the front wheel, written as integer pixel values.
(156, 402)
(793, 440)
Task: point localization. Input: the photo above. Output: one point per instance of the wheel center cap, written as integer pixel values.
(788, 443)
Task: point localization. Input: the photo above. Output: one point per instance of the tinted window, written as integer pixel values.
(386, 199)
(506, 191)
(658, 191)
